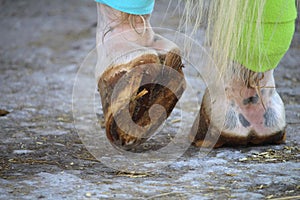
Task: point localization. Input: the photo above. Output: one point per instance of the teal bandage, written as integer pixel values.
(136, 7)
(261, 50)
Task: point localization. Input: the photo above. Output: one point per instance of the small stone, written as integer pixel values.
(3, 113)
(88, 194)
(243, 159)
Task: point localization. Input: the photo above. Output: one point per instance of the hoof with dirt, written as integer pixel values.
(130, 93)
(254, 114)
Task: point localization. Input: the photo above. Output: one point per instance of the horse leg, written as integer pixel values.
(135, 59)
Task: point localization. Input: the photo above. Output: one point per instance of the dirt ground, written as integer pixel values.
(42, 44)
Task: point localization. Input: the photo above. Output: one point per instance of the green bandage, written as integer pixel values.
(262, 45)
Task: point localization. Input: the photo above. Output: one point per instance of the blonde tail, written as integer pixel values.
(224, 23)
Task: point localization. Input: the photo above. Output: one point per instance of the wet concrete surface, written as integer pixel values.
(42, 45)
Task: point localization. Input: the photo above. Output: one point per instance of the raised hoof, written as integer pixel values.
(129, 118)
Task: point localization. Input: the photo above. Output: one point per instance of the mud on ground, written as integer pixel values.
(42, 44)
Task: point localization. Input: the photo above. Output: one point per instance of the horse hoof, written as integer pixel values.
(253, 116)
(129, 91)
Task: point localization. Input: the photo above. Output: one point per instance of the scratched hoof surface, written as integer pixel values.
(129, 91)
